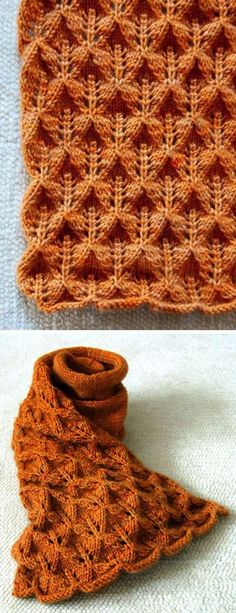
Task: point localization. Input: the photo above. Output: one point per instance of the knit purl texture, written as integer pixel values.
(94, 509)
(129, 123)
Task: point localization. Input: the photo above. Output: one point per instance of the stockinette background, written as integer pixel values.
(181, 421)
(15, 310)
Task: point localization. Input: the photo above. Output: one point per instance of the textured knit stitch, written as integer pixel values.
(129, 112)
(94, 509)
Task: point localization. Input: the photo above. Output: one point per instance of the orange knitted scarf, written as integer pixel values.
(94, 509)
(129, 110)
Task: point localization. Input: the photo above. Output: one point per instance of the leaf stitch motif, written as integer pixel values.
(128, 123)
(94, 510)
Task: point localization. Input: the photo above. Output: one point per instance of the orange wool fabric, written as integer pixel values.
(129, 122)
(94, 509)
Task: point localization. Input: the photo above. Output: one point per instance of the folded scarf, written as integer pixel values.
(94, 509)
(128, 128)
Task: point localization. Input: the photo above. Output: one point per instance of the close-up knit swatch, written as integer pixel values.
(94, 510)
(128, 134)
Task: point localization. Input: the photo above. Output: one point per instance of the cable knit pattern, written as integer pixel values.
(129, 116)
(94, 509)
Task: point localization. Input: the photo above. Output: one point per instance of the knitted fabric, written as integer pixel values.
(94, 509)
(129, 111)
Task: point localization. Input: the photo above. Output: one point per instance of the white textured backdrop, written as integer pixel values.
(16, 311)
(181, 421)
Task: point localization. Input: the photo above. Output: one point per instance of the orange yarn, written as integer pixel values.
(129, 110)
(94, 509)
